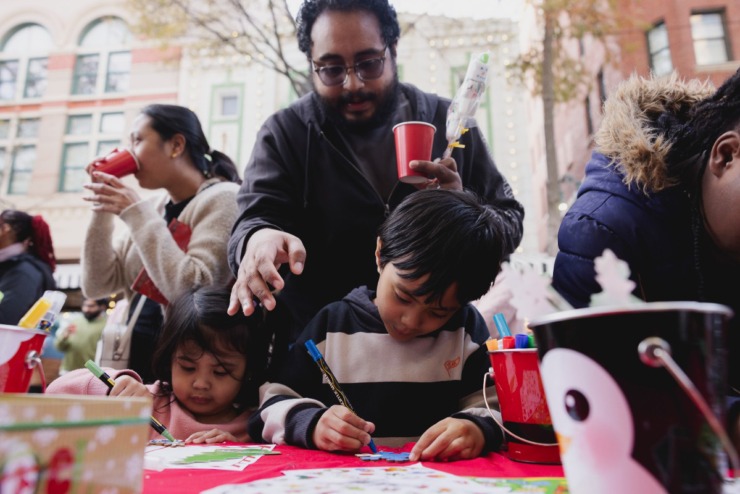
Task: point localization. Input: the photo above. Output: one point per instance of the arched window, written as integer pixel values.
(23, 62)
(104, 58)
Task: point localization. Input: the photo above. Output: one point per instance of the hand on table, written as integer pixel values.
(210, 437)
(444, 173)
(110, 194)
(266, 251)
(128, 386)
(339, 429)
(449, 439)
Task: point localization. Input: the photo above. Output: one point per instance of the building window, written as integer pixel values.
(103, 62)
(20, 174)
(18, 139)
(36, 78)
(28, 127)
(229, 105)
(24, 62)
(659, 50)
(88, 136)
(710, 42)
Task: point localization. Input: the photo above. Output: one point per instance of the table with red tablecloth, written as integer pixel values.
(186, 481)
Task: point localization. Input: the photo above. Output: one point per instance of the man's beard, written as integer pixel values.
(91, 316)
(387, 102)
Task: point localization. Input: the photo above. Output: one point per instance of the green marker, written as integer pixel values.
(103, 376)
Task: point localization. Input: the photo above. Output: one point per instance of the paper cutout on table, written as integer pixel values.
(385, 455)
(225, 454)
(413, 479)
(612, 274)
(200, 456)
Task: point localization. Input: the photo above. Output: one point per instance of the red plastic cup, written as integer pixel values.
(413, 142)
(523, 406)
(119, 163)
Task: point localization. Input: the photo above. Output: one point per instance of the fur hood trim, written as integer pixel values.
(627, 134)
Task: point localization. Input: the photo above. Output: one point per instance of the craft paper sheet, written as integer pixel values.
(203, 457)
(414, 479)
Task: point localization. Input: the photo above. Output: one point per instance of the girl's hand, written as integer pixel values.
(110, 194)
(339, 429)
(128, 386)
(210, 437)
(449, 439)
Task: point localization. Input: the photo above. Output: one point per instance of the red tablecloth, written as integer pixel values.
(292, 458)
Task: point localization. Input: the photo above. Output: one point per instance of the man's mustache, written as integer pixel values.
(356, 97)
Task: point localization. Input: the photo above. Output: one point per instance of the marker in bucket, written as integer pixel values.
(492, 344)
(521, 341)
(500, 321)
(507, 342)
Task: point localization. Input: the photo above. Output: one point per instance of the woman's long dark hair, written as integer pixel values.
(169, 120)
(200, 317)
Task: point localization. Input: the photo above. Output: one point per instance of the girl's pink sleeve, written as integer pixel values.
(83, 382)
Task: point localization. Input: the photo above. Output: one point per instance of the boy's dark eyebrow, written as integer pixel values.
(416, 299)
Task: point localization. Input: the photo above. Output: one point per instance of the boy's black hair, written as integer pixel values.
(311, 9)
(449, 235)
(200, 317)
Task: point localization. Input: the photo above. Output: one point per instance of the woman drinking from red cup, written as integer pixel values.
(172, 242)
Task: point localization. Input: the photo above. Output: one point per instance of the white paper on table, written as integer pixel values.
(414, 479)
(161, 457)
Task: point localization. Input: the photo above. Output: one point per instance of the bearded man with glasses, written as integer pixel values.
(322, 175)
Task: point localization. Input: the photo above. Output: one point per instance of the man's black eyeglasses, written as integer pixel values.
(366, 70)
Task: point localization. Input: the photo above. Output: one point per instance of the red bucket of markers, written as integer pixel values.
(529, 432)
(20, 353)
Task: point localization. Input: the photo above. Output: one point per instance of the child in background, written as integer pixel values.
(208, 366)
(407, 354)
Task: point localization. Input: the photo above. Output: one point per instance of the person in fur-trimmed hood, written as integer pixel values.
(662, 191)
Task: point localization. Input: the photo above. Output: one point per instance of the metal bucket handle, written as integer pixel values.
(500, 423)
(33, 359)
(656, 352)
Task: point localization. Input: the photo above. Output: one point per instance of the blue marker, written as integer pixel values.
(333, 383)
(500, 321)
(521, 341)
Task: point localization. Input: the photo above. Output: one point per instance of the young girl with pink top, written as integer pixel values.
(208, 367)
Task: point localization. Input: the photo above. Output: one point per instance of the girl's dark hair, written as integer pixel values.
(449, 235)
(169, 120)
(693, 137)
(311, 9)
(34, 228)
(200, 317)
